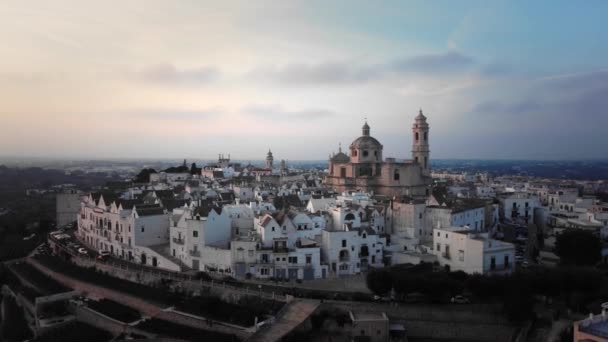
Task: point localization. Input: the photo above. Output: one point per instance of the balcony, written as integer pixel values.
(178, 241)
(280, 250)
(195, 253)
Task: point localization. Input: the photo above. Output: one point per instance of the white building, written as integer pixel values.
(194, 229)
(129, 230)
(463, 249)
(519, 206)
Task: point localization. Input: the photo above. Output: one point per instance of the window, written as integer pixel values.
(194, 233)
(396, 175)
(308, 259)
(493, 263)
(293, 260)
(417, 137)
(438, 247)
(264, 271)
(343, 243)
(365, 153)
(438, 234)
(426, 136)
(354, 153)
(461, 255)
(143, 228)
(273, 229)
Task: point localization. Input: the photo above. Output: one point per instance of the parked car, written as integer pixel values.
(82, 251)
(103, 255)
(415, 297)
(381, 299)
(459, 299)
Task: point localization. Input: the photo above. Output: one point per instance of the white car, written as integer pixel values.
(460, 300)
(82, 251)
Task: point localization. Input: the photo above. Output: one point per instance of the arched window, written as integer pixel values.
(349, 217)
(396, 175)
(416, 136)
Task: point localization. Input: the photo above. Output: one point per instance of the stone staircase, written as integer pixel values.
(289, 318)
(163, 250)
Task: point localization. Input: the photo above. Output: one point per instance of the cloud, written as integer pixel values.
(348, 73)
(433, 63)
(494, 107)
(177, 114)
(169, 74)
(311, 74)
(278, 113)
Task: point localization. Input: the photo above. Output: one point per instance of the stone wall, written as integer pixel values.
(448, 322)
(146, 308)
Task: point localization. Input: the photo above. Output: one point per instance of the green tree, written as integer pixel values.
(144, 176)
(578, 247)
(379, 281)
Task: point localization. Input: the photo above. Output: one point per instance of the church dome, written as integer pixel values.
(366, 142)
(340, 157)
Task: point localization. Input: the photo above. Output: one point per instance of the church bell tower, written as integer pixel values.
(420, 146)
(269, 160)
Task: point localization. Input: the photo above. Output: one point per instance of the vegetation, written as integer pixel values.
(578, 247)
(14, 327)
(41, 281)
(169, 329)
(75, 332)
(91, 275)
(242, 313)
(144, 176)
(578, 287)
(115, 310)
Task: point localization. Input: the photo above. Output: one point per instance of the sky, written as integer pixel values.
(191, 79)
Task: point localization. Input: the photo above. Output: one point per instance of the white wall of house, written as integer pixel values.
(463, 250)
(150, 230)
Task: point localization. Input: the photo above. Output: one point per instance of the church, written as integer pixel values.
(364, 169)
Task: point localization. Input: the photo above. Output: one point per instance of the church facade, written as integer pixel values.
(364, 168)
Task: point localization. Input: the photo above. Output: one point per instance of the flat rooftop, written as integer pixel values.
(368, 316)
(597, 326)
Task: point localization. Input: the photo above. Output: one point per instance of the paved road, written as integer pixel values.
(287, 320)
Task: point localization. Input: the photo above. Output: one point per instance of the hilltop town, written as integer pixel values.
(364, 244)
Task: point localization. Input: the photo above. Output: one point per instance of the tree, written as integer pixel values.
(578, 247)
(379, 281)
(193, 169)
(144, 176)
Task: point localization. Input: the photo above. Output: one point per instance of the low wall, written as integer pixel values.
(141, 305)
(202, 323)
(443, 322)
(149, 277)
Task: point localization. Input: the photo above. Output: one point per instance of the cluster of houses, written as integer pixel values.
(295, 228)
